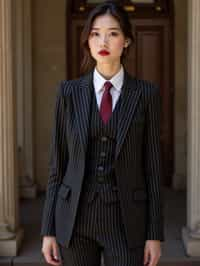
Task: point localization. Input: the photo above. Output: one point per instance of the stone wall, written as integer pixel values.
(49, 67)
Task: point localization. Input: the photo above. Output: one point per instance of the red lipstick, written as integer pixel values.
(104, 52)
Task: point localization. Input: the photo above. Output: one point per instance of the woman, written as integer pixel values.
(103, 194)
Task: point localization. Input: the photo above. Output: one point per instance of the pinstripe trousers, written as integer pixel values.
(98, 231)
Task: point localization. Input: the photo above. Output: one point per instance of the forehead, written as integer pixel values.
(106, 21)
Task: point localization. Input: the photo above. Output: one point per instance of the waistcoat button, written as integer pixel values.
(102, 154)
(104, 138)
(100, 168)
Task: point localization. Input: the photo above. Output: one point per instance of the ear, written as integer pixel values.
(127, 42)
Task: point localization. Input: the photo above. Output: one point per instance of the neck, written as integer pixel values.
(108, 70)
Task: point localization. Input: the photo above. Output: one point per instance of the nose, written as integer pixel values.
(104, 40)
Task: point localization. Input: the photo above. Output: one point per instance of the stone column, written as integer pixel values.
(10, 234)
(191, 233)
(23, 64)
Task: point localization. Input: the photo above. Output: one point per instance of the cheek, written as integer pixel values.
(92, 49)
(119, 45)
(91, 45)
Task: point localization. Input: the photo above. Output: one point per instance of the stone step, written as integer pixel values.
(173, 250)
(31, 262)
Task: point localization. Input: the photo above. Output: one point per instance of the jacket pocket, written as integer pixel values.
(139, 195)
(64, 191)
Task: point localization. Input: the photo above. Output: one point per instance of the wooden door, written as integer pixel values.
(150, 58)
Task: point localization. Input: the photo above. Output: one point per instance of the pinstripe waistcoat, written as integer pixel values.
(137, 160)
(99, 172)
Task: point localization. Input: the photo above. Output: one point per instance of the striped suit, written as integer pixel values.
(136, 161)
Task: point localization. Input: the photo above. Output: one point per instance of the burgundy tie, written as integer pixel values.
(106, 102)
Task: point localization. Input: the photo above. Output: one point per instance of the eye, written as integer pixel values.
(94, 33)
(114, 33)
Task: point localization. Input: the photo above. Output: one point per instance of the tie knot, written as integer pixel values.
(108, 85)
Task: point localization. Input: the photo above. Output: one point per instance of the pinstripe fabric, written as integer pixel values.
(102, 137)
(99, 171)
(137, 162)
(57, 164)
(99, 226)
(99, 230)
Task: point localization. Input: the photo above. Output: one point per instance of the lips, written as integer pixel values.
(104, 52)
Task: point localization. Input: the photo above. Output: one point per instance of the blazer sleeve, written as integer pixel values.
(153, 167)
(57, 164)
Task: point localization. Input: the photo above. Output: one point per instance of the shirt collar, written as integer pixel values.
(116, 80)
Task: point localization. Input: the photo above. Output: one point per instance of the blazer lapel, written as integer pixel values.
(130, 96)
(81, 96)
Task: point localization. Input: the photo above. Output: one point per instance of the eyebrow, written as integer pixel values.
(113, 28)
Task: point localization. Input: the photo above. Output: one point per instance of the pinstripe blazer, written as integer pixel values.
(137, 159)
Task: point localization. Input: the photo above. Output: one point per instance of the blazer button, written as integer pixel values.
(100, 168)
(104, 138)
(102, 154)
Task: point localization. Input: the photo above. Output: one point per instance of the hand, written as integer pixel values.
(50, 250)
(152, 252)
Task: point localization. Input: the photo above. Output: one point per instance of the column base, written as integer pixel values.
(192, 245)
(10, 247)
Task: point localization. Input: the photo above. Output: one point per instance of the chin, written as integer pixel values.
(104, 60)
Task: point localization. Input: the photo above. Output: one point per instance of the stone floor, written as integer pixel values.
(173, 250)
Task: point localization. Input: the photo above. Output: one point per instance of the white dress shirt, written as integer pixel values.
(117, 81)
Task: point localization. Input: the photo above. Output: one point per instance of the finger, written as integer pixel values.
(153, 261)
(49, 259)
(156, 260)
(146, 256)
(55, 252)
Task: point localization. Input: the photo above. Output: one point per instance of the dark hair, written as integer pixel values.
(114, 9)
